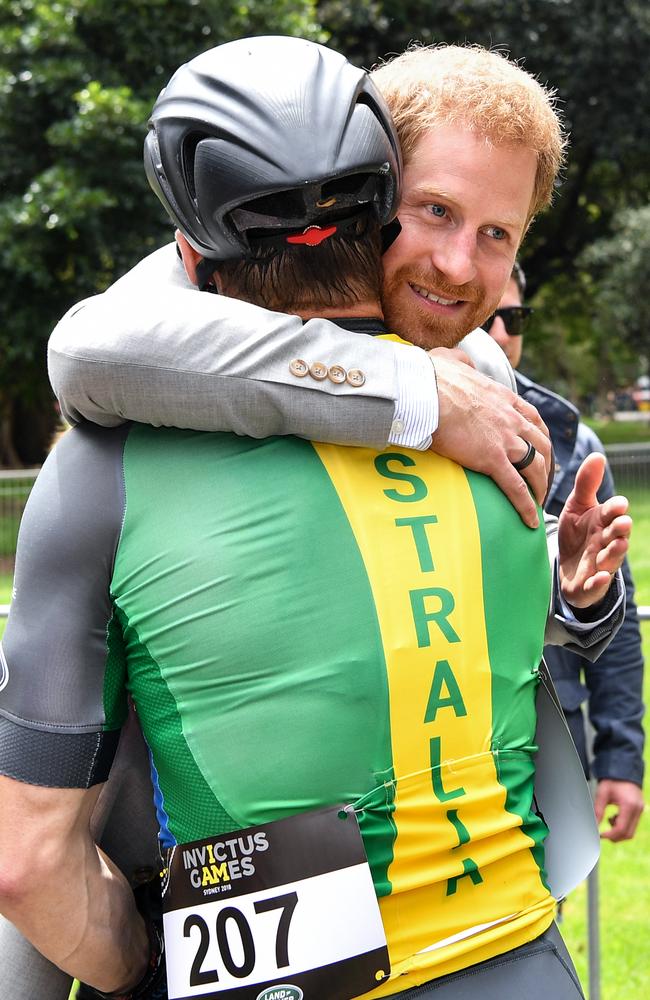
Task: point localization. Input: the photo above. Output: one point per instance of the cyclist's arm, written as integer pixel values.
(60, 721)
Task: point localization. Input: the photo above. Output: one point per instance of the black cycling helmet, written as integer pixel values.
(257, 117)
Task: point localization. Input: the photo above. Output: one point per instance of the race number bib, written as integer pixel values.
(275, 912)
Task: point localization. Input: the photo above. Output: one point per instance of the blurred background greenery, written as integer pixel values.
(78, 77)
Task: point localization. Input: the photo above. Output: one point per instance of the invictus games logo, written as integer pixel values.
(211, 864)
(281, 992)
(4, 670)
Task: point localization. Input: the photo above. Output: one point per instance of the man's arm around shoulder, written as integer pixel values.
(154, 349)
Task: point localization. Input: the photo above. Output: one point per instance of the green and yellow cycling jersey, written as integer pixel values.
(301, 625)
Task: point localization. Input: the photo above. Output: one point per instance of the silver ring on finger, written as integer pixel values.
(524, 462)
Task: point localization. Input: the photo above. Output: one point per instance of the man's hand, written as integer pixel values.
(628, 797)
(486, 427)
(593, 537)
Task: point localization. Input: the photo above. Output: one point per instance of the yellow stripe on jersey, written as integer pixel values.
(460, 859)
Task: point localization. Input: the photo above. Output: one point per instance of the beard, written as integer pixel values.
(414, 321)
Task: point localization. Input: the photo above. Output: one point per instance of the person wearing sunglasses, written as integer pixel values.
(614, 684)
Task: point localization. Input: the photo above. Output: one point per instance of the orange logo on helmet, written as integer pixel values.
(312, 235)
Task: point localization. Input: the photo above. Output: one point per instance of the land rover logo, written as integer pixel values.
(281, 992)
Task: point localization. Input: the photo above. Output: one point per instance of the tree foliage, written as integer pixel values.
(615, 276)
(78, 78)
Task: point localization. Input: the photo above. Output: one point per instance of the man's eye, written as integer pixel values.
(438, 210)
(496, 232)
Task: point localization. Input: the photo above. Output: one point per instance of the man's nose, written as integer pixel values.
(454, 255)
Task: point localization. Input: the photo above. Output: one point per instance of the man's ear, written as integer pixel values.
(191, 257)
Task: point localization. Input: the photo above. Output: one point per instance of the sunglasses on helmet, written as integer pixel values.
(515, 319)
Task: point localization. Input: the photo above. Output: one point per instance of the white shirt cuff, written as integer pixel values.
(416, 408)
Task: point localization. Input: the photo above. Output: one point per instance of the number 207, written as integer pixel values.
(201, 977)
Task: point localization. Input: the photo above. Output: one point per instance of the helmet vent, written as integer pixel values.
(187, 163)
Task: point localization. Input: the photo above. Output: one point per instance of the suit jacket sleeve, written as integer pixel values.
(154, 349)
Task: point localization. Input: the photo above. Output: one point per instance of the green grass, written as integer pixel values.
(8, 534)
(621, 431)
(624, 905)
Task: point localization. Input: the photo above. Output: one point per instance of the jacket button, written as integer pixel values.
(356, 377)
(298, 367)
(318, 371)
(337, 373)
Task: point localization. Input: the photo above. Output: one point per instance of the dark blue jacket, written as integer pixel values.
(614, 683)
